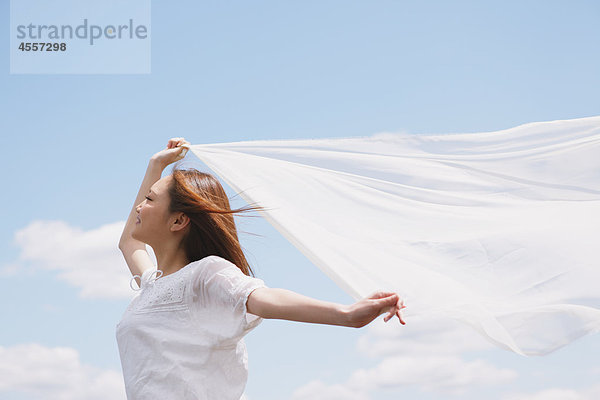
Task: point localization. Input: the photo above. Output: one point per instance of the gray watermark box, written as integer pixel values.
(80, 37)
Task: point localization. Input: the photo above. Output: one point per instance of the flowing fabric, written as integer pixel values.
(499, 230)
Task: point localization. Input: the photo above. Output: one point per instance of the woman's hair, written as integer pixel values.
(212, 231)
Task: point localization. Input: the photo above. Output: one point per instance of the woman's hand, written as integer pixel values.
(176, 150)
(366, 310)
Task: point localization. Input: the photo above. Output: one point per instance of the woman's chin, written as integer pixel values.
(135, 236)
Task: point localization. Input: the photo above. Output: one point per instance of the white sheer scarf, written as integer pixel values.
(499, 230)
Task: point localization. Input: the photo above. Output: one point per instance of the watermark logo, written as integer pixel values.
(80, 37)
(33, 32)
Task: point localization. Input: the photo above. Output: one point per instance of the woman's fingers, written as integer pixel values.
(174, 142)
(401, 306)
(390, 303)
(391, 314)
(396, 311)
(400, 318)
(380, 295)
(180, 143)
(391, 311)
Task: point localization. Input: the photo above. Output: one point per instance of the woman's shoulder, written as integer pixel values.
(205, 261)
(213, 262)
(209, 266)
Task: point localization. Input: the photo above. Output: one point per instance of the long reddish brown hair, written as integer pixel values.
(212, 231)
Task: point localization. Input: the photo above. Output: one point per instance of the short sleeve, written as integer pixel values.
(220, 286)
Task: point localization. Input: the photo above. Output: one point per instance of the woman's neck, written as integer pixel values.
(170, 260)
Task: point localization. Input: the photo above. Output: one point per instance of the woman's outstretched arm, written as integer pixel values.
(274, 303)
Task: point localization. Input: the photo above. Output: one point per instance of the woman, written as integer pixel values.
(181, 337)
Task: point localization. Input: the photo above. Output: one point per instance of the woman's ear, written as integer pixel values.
(180, 222)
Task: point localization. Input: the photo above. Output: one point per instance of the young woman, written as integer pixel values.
(181, 337)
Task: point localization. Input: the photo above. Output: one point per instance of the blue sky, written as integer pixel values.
(76, 148)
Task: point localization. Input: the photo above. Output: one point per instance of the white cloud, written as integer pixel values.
(591, 393)
(421, 336)
(445, 374)
(317, 390)
(548, 394)
(55, 374)
(424, 353)
(89, 260)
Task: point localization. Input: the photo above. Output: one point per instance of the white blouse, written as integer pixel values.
(180, 338)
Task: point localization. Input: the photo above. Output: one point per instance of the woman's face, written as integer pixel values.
(153, 215)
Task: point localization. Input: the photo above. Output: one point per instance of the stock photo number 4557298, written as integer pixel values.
(25, 46)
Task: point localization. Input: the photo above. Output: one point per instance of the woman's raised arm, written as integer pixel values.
(135, 254)
(133, 250)
(153, 174)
